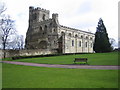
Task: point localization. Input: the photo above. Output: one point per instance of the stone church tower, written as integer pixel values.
(46, 33)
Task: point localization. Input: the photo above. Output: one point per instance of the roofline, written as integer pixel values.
(76, 29)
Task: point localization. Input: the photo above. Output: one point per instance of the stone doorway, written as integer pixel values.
(61, 43)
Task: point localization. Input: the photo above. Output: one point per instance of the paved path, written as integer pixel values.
(64, 66)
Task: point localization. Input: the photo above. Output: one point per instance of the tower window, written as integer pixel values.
(50, 24)
(45, 29)
(43, 17)
(54, 42)
(40, 28)
(54, 30)
(34, 16)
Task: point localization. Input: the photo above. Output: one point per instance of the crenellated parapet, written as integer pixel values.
(38, 9)
(37, 14)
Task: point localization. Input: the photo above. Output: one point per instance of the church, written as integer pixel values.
(46, 33)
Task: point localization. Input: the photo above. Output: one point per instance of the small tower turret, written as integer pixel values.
(55, 17)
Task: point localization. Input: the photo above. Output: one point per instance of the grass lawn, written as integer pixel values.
(18, 76)
(93, 59)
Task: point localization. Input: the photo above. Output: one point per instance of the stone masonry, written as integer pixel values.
(46, 33)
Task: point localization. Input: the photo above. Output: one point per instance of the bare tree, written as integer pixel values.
(7, 28)
(2, 8)
(20, 42)
(15, 42)
(0, 39)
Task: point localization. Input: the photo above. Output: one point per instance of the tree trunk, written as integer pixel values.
(4, 50)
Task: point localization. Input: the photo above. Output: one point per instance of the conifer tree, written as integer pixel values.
(101, 43)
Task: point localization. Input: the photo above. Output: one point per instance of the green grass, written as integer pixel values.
(18, 76)
(93, 59)
(0, 76)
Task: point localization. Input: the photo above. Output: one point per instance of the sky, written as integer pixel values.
(79, 14)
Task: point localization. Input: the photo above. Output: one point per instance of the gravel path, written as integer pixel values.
(64, 66)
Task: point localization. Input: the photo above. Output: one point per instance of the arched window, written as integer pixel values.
(45, 29)
(50, 25)
(81, 36)
(91, 38)
(91, 45)
(79, 43)
(69, 34)
(76, 36)
(72, 42)
(40, 28)
(86, 37)
(54, 42)
(34, 16)
(54, 30)
(62, 33)
(86, 44)
(43, 17)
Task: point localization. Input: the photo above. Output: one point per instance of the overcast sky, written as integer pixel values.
(79, 14)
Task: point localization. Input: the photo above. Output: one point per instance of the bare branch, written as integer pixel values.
(16, 42)
(2, 8)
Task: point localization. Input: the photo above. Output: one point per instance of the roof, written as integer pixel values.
(75, 29)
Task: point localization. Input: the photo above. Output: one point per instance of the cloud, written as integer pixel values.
(85, 7)
(81, 14)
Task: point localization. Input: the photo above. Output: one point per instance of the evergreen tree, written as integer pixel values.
(101, 43)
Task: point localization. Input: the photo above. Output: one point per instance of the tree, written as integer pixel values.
(2, 8)
(7, 27)
(20, 42)
(15, 42)
(101, 43)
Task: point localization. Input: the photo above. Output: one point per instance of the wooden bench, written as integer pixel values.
(80, 60)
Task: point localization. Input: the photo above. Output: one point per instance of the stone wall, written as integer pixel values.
(12, 53)
(36, 52)
(1, 54)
